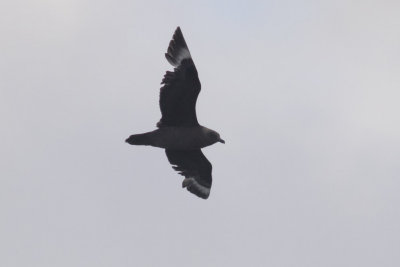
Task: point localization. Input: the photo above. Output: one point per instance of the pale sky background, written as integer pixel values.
(305, 93)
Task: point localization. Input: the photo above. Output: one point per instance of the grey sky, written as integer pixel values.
(305, 93)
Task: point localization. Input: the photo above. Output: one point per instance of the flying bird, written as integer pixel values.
(179, 132)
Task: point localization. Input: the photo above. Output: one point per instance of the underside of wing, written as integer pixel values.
(181, 87)
(194, 166)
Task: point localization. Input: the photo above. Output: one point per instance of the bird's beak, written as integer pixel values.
(221, 140)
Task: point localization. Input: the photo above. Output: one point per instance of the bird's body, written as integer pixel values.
(179, 132)
(179, 138)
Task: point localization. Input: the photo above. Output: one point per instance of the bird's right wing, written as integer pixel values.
(181, 87)
(194, 166)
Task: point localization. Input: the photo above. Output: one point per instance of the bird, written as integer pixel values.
(178, 130)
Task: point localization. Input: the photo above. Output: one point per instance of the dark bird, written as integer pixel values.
(178, 131)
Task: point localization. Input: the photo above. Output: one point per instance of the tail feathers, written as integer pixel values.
(139, 139)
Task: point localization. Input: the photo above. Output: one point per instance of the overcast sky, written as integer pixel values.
(305, 93)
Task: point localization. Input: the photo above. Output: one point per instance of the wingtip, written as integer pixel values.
(177, 49)
(195, 188)
(178, 33)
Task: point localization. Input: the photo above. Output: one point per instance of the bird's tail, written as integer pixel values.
(139, 139)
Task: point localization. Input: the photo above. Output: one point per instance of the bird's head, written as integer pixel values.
(215, 137)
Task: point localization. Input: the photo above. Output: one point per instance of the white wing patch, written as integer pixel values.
(183, 54)
(191, 182)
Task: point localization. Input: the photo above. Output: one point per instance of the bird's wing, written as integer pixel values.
(194, 166)
(181, 87)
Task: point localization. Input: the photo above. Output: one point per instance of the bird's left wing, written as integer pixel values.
(181, 87)
(194, 166)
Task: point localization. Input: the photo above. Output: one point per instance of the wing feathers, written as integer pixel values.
(181, 87)
(194, 166)
(168, 77)
(177, 49)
